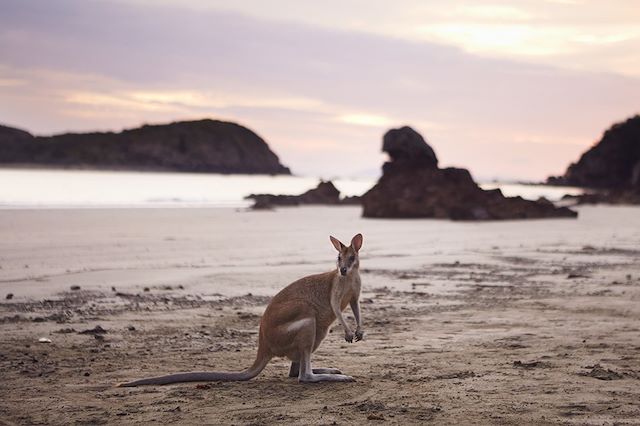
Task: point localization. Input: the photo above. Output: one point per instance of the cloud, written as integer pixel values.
(361, 119)
(499, 28)
(159, 100)
(492, 12)
(12, 82)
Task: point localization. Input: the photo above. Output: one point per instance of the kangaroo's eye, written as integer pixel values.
(352, 258)
(339, 258)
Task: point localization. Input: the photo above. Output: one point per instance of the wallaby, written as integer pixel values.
(296, 321)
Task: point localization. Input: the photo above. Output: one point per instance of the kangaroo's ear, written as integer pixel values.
(336, 243)
(356, 242)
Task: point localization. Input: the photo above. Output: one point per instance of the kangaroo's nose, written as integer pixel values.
(343, 270)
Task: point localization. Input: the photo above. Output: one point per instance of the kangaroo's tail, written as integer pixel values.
(262, 359)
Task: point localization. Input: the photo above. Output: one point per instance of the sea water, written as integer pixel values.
(39, 188)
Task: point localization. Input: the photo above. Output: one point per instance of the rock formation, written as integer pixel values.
(610, 169)
(605, 196)
(324, 193)
(412, 186)
(612, 163)
(406, 147)
(190, 146)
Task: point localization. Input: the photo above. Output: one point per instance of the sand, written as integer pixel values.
(514, 322)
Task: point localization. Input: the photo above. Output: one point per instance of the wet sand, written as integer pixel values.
(471, 323)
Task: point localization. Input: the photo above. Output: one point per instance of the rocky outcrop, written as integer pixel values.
(325, 193)
(407, 148)
(612, 163)
(190, 146)
(626, 196)
(412, 186)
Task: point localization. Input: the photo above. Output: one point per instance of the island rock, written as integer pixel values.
(610, 169)
(325, 193)
(208, 146)
(612, 163)
(412, 186)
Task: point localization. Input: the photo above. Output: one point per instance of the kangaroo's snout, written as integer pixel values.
(343, 271)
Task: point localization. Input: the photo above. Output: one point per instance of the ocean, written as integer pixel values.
(44, 188)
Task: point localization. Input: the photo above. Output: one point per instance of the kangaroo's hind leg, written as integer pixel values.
(308, 375)
(294, 371)
(300, 337)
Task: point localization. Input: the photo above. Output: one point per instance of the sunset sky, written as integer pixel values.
(508, 89)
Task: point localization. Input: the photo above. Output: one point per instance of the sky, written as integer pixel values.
(507, 89)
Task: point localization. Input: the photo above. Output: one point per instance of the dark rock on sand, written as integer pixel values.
(325, 193)
(190, 146)
(612, 163)
(529, 365)
(600, 373)
(95, 330)
(412, 186)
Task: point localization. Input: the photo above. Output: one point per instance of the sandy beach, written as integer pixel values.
(514, 322)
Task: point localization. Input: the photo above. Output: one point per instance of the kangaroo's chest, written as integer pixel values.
(350, 293)
(347, 297)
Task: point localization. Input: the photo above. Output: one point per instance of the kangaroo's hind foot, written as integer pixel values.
(307, 374)
(294, 371)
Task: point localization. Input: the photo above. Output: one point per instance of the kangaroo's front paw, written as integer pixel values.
(348, 336)
(359, 335)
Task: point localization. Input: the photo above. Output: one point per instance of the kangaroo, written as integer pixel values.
(296, 321)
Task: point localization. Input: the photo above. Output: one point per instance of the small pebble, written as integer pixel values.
(9, 296)
(146, 289)
(75, 287)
